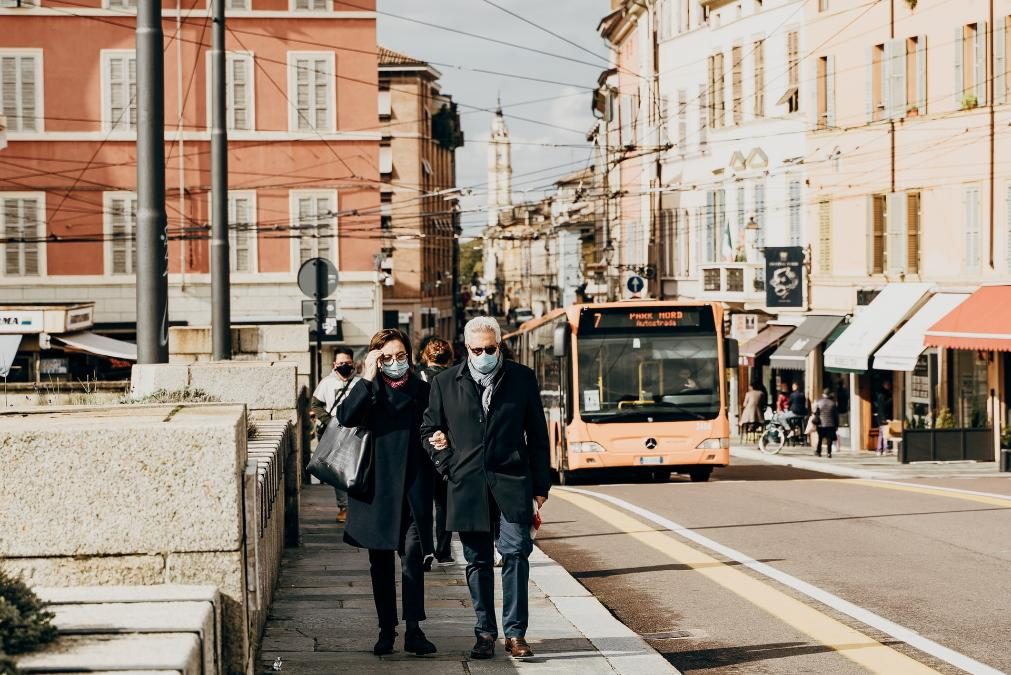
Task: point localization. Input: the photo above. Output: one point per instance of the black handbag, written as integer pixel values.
(343, 459)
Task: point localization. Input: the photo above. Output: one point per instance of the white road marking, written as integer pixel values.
(865, 616)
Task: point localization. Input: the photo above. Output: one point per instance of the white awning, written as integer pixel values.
(86, 341)
(904, 348)
(8, 350)
(852, 351)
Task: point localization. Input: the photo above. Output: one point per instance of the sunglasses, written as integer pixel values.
(476, 351)
(388, 360)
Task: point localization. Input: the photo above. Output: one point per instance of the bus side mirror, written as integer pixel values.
(561, 341)
(731, 353)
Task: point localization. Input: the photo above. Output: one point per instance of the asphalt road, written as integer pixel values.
(904, 578)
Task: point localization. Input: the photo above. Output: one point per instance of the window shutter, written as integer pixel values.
(959, 47)
(32, 232)
(703, 116)
(118, 234)
(870, 84)
(913, 233)
(876, 234)
(27, 115)
(321, 87)
(980, 64)
(11, 232)
(683, 121)
(1000, 62)
(324, 227)
(921, 74)
(760, 213)
(886, 78)
(710, 245)
(830, 91)
(238, 90)
(825, 237)
(794, 209)
(971, 197)
(895, 256)
(897, 72)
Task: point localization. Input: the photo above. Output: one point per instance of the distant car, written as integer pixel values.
(522, 315)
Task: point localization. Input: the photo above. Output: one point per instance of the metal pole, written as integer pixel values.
(152, 239)
(221, 330)
(320, 314)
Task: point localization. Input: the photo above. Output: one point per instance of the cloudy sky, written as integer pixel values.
(551, 142)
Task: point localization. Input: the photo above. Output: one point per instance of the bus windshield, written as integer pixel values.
(648, 376)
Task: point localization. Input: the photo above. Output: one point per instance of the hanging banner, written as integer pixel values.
(784, 276)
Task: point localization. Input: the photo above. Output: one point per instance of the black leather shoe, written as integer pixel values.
(484, 648)
(384, 645)
(416, 643)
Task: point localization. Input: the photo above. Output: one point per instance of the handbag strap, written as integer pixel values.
(340, 396)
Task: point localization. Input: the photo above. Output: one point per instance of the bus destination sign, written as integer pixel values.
(642, 318)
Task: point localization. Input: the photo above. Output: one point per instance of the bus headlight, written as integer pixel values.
(588, 446)
(714, 444)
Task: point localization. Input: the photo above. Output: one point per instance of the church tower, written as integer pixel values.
(500, 169)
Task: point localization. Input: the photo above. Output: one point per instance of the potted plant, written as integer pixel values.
(912, 111)
(944, 419)
(25, 625)
(911, 3)
(969, 102)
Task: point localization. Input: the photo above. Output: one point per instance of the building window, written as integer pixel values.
(119, 109)
(239, 89)
(23, 233)
(877, 84)
(970, 65)
(21, 90)
(311, 91)
(737, 83)
(242, 231)
(970, 200)
(681, 262)
(120, 4)
(682, 121)
(1000, 58)
(703, 117)
(759, 198)
(716, 201)
(121, 232)
(717, 88)
(825, 236)
(668, 235)
(879, 212)
(385, 159)
(759, 51)
(385, 103)
(916, 76)
(21, 4)
(793, 210)
(822, 5)
(913, 232)
(826, 92)
(310, 5)
(315, 218)
(741, 222)
(238, 4)
(792, 96)
(386, 210)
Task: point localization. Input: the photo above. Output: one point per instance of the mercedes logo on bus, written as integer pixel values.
(650, 443)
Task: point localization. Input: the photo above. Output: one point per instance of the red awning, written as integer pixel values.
(768, 337)
(983, 322)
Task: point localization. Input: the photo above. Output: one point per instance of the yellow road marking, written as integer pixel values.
(834, 634)
(1004, 502)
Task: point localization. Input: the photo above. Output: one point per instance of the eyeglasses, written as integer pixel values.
(388, 360)
(476, 351)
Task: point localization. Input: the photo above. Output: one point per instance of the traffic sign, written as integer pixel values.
(635, 284)
(317, 278)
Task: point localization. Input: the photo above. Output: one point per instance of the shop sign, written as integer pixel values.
(79, 319)
(784, 276)
(21, 322)
(54, 366)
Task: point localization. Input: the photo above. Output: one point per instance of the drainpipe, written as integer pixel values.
(993, 132)
(891, 119)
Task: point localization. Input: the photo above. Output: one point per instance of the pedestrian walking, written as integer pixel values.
(330, 391)
(751, 414)
(883, 411)
(826, 419)
(437, 356)
(486, 431)
(396, 516)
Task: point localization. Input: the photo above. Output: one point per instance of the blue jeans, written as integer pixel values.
(515, 545)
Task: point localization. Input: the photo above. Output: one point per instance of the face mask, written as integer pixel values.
(396, 370)
(485, 363)
(345, 370)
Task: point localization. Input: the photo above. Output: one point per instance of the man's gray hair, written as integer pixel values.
(482, 324)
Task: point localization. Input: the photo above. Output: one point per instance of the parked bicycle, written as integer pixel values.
(779, 431)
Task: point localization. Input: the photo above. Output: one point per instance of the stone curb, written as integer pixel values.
(823, 466)
(619, 645)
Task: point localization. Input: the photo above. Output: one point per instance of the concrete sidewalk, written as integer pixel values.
(867, 464)
(323, 619)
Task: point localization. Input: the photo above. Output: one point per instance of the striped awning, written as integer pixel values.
(983, 322)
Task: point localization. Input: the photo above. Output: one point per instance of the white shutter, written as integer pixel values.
(896, 218)
(324, 227)
(703, 116)
(238, 91)
(870, 84)
(886, 78)
(760, 213)
(972, 253)
(1000, 62)
(921, 74)
(959, 47)
(897, 71)
(11, 232)
(28, 114)
(830, 91)
(31, 230)
(683, 121)
(980, 64)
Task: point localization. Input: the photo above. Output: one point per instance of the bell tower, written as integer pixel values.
(500, 169)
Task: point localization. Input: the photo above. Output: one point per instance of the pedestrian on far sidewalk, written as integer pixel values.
(437, 356)
(396, 515)
(328, 394)
(486, 432)
(883, 403)
(826, 419)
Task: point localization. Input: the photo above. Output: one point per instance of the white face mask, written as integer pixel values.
(484, 363)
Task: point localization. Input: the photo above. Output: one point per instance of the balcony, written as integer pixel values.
(732, 282)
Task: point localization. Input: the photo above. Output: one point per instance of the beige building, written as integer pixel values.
(417, 162)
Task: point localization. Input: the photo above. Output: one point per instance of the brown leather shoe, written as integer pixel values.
(518, 648)
(484, 648)
(342, 516)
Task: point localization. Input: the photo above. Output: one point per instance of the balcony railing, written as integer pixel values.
(733, 281)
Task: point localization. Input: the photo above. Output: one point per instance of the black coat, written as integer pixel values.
(402, 471)
(505, 452)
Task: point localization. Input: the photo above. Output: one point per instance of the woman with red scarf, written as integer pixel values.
(396, 513)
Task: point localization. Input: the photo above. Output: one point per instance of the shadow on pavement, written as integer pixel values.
(672, 567)
(722, 657)
(740, 470)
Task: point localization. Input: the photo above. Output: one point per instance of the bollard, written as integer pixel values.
(1005, 461)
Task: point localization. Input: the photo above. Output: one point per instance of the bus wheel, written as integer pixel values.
(661, 476)
(700, 474)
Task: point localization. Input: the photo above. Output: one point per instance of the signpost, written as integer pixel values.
(635, 284)
(317, 278)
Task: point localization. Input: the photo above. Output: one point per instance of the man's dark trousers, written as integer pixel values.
(515, 545)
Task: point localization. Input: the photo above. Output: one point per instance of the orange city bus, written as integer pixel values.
(632, 385)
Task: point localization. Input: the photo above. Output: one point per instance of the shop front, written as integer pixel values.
(798, 359)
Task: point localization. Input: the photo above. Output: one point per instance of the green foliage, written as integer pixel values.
(184, 395)
(944, 420)
(7, 665)
(969, 101)
(911, 3)
(1005, 437)
(25, 625)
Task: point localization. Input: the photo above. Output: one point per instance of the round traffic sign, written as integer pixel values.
(635, 284)
(317, 277)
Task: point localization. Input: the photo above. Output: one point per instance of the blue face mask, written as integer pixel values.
(484, 363)
(396, 370)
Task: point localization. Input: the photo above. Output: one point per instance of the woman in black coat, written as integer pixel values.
(396, 514)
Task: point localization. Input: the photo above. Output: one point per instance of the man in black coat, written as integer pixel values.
(487, 435)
